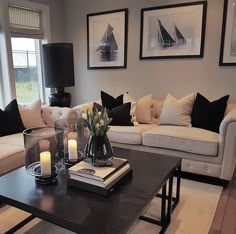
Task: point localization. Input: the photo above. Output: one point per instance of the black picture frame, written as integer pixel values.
(226, 47)
(105, 30)
(157, 45)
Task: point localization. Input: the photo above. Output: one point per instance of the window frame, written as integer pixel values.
(7, 79)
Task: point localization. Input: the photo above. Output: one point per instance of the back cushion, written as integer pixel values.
(31, 114)
(143, 109)
(52, 114)
(156, 108)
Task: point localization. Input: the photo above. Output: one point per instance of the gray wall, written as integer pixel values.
(159, 77)
(56, 9)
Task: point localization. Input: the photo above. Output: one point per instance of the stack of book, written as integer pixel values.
(101, 180)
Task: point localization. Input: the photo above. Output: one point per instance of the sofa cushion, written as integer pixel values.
(192, 140)
(11, 157)
(54, 113)
(8, 150)
(10, 119)
(31, 114)
(110, 102)
(128, 134)
(120, 115)
(14, 139)
(12, 152)
(143, 109)
(156, 108)
(177, 111)
(208, 115)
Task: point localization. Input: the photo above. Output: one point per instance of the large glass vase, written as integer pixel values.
(98, 151)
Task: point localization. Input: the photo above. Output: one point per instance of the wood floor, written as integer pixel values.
(225, 217)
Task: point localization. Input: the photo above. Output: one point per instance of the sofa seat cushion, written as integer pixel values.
(128, 134)
(11, 157)
(7, 150)
(192, 140)
(14, 139)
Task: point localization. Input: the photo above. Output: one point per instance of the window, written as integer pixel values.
(26, 39)
(22, 20)
(27, 69)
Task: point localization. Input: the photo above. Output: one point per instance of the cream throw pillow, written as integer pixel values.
(31, 114)
(143, 109)
(177, 111)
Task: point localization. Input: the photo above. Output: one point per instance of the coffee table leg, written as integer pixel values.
(163, 205)
(169, 207)
(178, 182)
(172, 202)
(163, 221)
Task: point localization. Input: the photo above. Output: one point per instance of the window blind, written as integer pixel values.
(25, 22)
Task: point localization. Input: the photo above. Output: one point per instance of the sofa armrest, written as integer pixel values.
(50, 114)
(228, 144)
(229, 118)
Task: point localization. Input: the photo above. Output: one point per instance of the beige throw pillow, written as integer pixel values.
(177, 111)
(143, 109)
(31, 114)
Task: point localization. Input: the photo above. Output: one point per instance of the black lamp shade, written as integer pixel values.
(58, 65)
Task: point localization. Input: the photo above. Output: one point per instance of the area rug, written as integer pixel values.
(194, 214)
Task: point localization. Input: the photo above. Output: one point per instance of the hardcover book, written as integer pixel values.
(104, 191)
(104, 183)
(97, 173)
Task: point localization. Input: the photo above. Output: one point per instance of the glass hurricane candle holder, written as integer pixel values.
(72, 141)
(42, 153)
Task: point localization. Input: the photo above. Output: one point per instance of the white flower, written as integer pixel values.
(102, 122)
(97, 125)
(84, 116)
(99, 113)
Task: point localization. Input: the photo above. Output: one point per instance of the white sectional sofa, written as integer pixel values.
(203, 152)
(12, 146)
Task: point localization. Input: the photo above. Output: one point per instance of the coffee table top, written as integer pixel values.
(85, 212)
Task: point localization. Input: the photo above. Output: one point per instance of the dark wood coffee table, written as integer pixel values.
(84, 212)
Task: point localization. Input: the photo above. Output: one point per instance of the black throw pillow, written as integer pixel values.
(120, 115)
(10, 119)
(208, 115)
(110, 102)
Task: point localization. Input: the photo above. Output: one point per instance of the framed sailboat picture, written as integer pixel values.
(107, 39)
(173, 31)
(228, 36)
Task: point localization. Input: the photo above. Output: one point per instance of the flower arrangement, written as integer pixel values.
(97, 122)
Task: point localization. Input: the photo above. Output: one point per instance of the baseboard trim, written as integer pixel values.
(204, 179)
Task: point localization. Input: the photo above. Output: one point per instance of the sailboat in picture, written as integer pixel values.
(166, 40)
(108, 42)
(179, 38)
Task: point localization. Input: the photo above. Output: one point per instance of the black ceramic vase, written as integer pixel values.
(98, 151)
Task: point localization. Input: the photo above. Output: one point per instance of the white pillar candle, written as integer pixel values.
(45, 162)
(72, 149)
